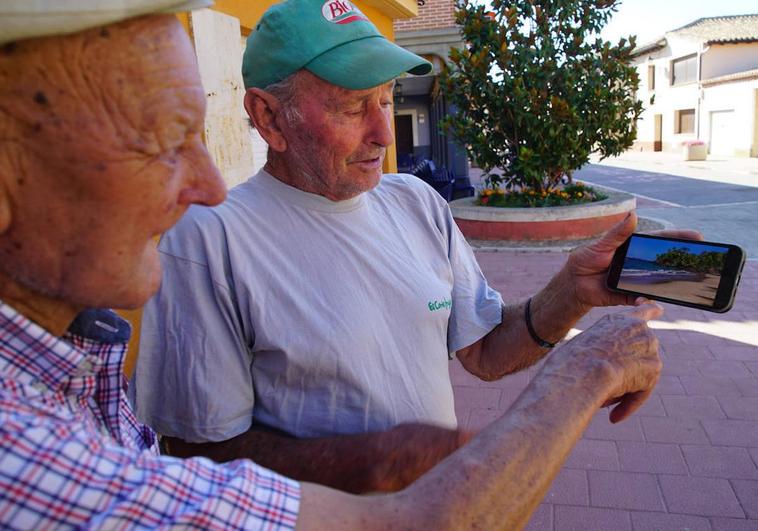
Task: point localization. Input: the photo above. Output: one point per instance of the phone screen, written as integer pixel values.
(691, 273)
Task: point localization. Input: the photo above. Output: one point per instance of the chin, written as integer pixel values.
(137, 296)
(145, 283)
(139, 283)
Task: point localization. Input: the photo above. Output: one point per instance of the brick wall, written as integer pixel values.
(432, 15)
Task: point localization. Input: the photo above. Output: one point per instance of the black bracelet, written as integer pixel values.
(528, 318)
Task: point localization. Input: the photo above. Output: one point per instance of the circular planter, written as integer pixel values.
(575, 222)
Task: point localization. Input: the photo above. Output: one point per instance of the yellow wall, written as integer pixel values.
(249, 12)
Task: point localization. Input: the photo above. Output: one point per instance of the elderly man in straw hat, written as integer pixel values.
(100, 116)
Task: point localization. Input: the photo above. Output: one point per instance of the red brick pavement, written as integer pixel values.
(688, 459)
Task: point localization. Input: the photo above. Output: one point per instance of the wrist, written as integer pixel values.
(593, 376)
(555, 309)
(562, 292)
(530, 327)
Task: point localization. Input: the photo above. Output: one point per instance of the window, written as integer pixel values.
(651, 77)
(684, 121)
(684, 70)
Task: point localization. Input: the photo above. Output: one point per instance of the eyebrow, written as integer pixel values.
(351, 100)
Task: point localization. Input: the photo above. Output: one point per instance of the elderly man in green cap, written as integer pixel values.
(307, 323)
(101, 110)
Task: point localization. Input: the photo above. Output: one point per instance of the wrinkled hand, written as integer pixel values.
(409, 450)
(587, 266)
(623, 345)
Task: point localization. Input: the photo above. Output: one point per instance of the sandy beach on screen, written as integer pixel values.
(703, 292)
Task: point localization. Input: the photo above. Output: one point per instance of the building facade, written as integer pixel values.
(700, 83)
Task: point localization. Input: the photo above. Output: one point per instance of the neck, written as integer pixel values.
(299, 179)
(54, 315)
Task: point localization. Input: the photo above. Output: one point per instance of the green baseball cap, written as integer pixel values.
(330, 38)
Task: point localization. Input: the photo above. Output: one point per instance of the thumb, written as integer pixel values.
(617, 234)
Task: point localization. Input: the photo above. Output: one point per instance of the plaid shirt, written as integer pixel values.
(73, 455)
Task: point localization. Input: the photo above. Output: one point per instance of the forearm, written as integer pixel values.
(344, 462)
(369, 462)
(497, 480)
(509, 347)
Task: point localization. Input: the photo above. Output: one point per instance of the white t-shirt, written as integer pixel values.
(310, 316)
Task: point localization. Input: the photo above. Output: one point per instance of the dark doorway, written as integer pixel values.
(658, 140)
(404, 133)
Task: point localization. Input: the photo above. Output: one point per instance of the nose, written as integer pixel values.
(205, 185)
(380, 126)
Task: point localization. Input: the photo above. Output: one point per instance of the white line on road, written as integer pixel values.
(633, 193)
(725, 204)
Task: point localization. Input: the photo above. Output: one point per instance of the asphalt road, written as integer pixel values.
(721, 211)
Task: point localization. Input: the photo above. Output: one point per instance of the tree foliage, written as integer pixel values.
(536, 91)
(681, 258)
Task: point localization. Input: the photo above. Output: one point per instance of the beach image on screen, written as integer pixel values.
(683, 271)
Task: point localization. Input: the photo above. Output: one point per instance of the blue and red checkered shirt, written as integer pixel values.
(73, 455)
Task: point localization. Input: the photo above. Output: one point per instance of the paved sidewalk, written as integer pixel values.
(688, 459)
(733, 170)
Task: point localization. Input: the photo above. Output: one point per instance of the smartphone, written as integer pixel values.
(700, 275)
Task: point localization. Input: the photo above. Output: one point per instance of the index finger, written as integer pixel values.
(647, 311)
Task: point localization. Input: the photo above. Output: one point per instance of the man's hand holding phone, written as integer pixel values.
(587, 266)
(681, 271)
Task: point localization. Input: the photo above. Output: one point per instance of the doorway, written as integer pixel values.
(658, 139)
(404, 133)
(723, 139)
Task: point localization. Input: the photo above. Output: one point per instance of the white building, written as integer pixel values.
(703, 82)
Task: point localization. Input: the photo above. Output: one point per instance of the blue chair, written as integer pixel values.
(405, 162)
(462, 188)
(438, 178)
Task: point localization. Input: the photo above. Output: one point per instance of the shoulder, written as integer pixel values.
(200, 221)
(198, 229)
(406, 187)
(415, 199)
(405, 180)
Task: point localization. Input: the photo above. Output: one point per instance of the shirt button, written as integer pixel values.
(85, 367)
(39, 386)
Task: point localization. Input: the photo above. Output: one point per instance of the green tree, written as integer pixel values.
(536, 91)
(681, 258)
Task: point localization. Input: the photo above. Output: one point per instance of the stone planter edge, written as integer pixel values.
(616, 203)
(545, 223)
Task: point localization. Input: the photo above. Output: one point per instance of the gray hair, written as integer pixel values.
(286, 91)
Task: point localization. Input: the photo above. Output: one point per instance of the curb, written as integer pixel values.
(645, 224)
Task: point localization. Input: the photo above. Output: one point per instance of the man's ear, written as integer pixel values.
(264, 109)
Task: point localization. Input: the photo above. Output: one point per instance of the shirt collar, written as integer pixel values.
(32, 355)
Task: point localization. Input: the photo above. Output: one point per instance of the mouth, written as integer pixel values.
(369, 164)
(171, 220)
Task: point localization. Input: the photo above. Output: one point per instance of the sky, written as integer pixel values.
(648, 249)
(650, 19)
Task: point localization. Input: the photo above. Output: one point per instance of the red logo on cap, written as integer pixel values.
(341, 12)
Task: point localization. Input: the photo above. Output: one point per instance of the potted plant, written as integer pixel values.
(694, 150)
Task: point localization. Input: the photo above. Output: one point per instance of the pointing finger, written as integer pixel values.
(647, 311)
